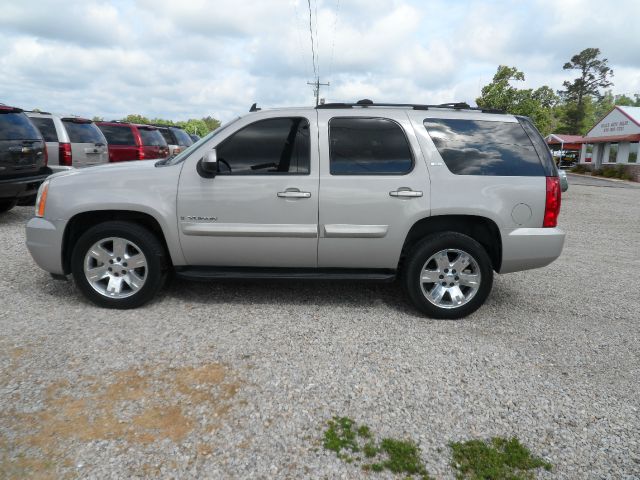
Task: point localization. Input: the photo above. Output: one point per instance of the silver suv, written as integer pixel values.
(71, 140)
(438, 196)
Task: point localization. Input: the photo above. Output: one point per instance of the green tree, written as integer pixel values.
(627, 101)
(538, 104)
(135, 118)
(98, 119)
(594, 75)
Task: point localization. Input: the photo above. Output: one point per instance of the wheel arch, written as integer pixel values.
(81, 222)
(482, 229)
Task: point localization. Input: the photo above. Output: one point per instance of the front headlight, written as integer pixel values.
(41, 199)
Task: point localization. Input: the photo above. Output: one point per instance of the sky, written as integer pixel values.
(193, 58)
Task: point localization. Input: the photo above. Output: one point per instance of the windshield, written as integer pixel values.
(189, 150)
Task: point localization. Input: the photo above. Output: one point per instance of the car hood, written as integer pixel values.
(136, 167)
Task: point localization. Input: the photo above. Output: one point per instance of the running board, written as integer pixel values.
(248, 273)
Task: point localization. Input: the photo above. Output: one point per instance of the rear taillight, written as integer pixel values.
(552, 204)
(141, 153)
(65, 154)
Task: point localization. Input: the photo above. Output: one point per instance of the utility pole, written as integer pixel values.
(316, 89)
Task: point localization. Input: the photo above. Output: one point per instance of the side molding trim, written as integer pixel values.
(355, 231)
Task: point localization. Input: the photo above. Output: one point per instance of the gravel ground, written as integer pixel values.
(237, 380)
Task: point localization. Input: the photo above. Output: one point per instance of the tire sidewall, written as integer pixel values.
(431, 245)
(148, 244)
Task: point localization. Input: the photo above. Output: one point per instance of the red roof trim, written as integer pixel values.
(613, 138)
(628, 116)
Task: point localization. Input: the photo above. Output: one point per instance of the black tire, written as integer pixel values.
(423, 251)
(6, 205)
(149, 244)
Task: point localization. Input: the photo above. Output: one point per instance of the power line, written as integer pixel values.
(313, 50)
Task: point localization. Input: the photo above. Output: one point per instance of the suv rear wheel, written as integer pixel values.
(448, 275)
(118, 264)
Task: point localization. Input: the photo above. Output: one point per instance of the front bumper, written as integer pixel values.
(527, 248)
(44, 241)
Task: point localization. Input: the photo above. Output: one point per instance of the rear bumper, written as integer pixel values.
(22, 186)
(527, 248)
(44, 241)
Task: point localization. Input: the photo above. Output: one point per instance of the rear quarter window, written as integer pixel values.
(118, 134)
(16, 126)
(481, 147)
(46, 127)
(151, 138)
(83, 132)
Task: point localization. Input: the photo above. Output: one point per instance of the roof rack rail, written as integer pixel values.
(36, 111)
(365, 103)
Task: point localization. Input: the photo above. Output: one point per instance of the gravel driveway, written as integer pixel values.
(237, 380)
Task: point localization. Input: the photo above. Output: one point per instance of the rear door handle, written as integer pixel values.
(294, 193)
(405, 193)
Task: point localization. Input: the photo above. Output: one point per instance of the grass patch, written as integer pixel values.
(345, 438)
(498, 459)
(340, 436)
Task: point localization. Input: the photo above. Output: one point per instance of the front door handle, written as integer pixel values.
(405, 193)
(294, 193)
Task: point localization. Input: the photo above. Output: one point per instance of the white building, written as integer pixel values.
(614, 139)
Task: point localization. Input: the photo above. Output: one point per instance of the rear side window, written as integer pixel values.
(16, 126)
(480, 147)
(118, 135)
(151, 138)
(184, 140)
(368, 146)
(276, 146)
(46, 127)
(83, 132)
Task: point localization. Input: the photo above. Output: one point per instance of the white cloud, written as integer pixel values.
(185, 59)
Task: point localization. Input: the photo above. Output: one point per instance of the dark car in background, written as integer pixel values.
(130, 141)
(23, 158)
(176, 138)
(71, 141)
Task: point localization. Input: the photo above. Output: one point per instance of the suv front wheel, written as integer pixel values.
(448, 275)
(118, 264)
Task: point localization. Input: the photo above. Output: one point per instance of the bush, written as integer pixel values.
(579, 168)
(609, 172)
(597, 172)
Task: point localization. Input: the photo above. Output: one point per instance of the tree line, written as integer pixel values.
(199, 126)
(572, 110)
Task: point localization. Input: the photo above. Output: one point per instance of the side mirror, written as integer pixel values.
(208, 166)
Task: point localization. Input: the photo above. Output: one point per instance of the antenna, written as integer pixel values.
(316, 89)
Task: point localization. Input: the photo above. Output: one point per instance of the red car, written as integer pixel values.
(129, 141)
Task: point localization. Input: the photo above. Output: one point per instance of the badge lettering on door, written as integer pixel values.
(199, 219)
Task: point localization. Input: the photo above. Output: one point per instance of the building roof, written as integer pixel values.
(556, 138)
(632, 113)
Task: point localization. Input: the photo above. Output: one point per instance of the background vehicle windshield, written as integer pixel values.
(152, 138)
(189, 150)
(184, 140)
(16, 126)
(84, 133)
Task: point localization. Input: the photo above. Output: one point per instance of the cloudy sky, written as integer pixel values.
(190, 58)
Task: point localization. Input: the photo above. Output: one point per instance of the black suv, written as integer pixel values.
(23, 159)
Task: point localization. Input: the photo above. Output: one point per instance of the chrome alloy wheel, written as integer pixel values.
(450, 278)
(115, 267)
